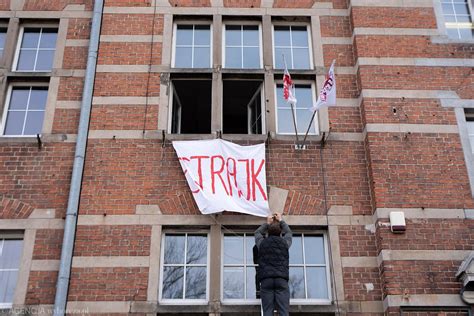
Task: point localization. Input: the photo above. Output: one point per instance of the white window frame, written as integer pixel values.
(184, 301)
(310, 301)
(260, 44)
(442, 19)
(310, 45)
(20, 40)
(7, 105)
(316, 117)
(193, 23)
(2, 241)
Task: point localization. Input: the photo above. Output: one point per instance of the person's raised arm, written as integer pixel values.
(285, 230)
(261, 231)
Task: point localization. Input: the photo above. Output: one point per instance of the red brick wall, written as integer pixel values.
(356, 282)
(48, 244)
(124, 117)
(122, 53)
(41, 287)
(127, 3)
(66, 121)
(242, 3)
(126, 84)
(393, 17)
(357, 241)
(131, 24)
(5, 5)
(70, 88)
(78, 28)
(75, 57)
(58, 5)
(335, 26)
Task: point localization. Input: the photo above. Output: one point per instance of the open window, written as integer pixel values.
(191, 106)
(242, 106)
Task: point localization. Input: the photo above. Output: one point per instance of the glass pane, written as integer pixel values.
(453, 33)
(233, 250)
(202, 57)
(184, 35)
(461, 9)
(30, 38)
(19, 98)
(197, 249)
(183, 58)
(38, 99)
(26, 61)
(173, 282)
(251, 283)
(300, 58)
(3, 35)
(317, 282)
(296, 282)
(251, 57)
(174, 249)
(233, 283)
(299, 36)
(448, 8)
(11, 254)
(233, 57)
(48, 38)
(196, 283)
(233, 35)
(45, 60)
(296, 249)
(14, 124)
(34, 122)
(8, 281)
(249, 243)
(450, 18)
(285, 126)
(303, 117)
(466, 34)
(282, 36)
(279, 53)
(314, 249)
(280, 100)
(202, 35)
(304, 96)
(251, 35)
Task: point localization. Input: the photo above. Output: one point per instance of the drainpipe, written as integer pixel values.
(78, 167)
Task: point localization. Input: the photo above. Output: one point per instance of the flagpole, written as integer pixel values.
(307, 131)
(292, 108)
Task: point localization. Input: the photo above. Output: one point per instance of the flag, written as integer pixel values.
(288, 87)
(327, 96)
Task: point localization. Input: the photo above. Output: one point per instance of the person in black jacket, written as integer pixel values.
(273, 262)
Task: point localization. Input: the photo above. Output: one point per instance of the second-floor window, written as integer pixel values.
(192, 46)
(458, 18)
(36, 48)
(3, 35)
(293, 43)
(242, 46)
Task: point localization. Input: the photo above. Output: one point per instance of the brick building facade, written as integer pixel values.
(401, 138)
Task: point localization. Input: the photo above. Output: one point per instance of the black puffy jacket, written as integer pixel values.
(273, 258)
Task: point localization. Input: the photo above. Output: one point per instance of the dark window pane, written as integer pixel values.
(296, 283)
(317, 282)
(233, 35)
(184, 35)
(299, 36)
(250, 35)
(296, 249)
(38, 98)
(11, 254)
(174, 249)
(183, 58)
(282, 36)
(14, 124)
(30, 38)
(197, 249)
(300, 58)
(233, 250)
(196, 283)
(233, 283)
(251, 57)
(251, 283)
(202, 57)
(45, 60)
(19, 98)
(48, 38)
(314, 249)
(26, 61)
(173, 282)
(34, 122)
(233, 57)
(202, 35)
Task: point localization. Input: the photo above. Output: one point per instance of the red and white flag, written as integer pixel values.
(288, 88)
(327, 96)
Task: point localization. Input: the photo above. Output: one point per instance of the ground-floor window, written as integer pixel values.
(10, 257)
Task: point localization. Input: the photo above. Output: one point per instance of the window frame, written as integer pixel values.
(305, 301)
(310, 45)
(183, 301)
(442, 19)
(6, 106)
(313, 92)
(12, 236)
(260, 46)
(19, 41)
(470, 127)
(5, 27)
(173, 42)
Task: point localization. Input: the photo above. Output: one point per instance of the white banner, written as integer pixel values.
(224, 176)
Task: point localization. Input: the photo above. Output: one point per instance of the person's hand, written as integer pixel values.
(278, 217)
(269, 220)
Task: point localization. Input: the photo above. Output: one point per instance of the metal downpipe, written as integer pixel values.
(78, 166)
